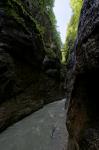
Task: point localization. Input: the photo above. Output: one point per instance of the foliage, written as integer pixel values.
(47, 20)
(55, 34)
(72, 27)
(40, 14)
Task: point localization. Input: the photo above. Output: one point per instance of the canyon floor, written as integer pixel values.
(42, 130)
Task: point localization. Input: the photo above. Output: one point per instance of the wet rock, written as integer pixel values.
(83, 112)
(54, 73)
(24, 86)
(6, 75)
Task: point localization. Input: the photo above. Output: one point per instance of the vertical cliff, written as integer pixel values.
(29, 58)
(83, 112)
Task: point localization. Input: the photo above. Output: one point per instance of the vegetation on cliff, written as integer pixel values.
(40, 14)
(72, 28)
(47, 23)
(29, 58)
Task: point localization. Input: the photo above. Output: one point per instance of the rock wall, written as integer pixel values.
(25, 83)
(83, 112)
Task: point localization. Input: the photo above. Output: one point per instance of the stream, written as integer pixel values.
(43, 130)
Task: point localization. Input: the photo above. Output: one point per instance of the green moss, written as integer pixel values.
(17, 10)
(50, 53)
(28, 15)
(72, 29)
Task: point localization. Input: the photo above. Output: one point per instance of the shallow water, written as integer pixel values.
(42, 130)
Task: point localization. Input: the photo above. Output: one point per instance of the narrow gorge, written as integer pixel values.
(48, 91)
(29, 59)
(82, 116)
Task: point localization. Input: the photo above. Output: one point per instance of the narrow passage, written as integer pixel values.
(42, 130)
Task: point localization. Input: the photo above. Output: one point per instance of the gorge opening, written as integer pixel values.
(63, 14)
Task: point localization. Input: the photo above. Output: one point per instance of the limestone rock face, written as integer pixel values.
(83, 112)
(24, 86)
